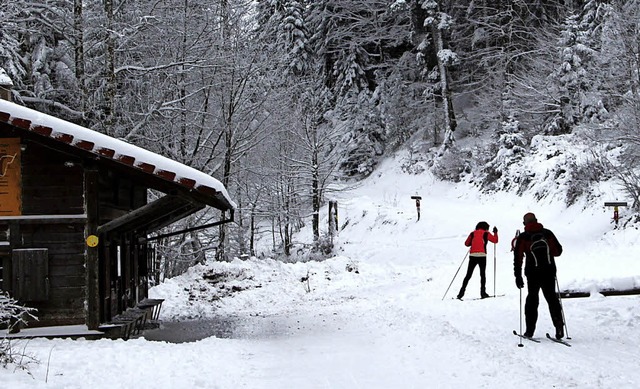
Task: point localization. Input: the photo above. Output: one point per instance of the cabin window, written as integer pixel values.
(30, 274)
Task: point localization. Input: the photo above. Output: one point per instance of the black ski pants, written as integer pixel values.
(481, 262)
(547, 283)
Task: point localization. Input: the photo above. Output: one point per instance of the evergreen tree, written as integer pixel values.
(592, 20)
(352, 39)
(439, 24)
(36, 52)
(364, 143)
(568, 79)
(283, 29)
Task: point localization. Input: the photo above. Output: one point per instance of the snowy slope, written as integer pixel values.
(319, 325)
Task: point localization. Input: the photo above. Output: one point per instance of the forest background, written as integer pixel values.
(287, 101)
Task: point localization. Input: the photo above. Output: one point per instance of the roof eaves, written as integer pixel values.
(187, 181)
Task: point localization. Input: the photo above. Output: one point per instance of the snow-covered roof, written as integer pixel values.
(108, 147)
(4, 78)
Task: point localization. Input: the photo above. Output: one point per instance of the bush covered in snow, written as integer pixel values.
(12, 316)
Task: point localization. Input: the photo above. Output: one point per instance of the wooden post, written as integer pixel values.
(92, 253)
(330, 221)
(615, 205)
(335, 215)
(417, 199)
(333, 218)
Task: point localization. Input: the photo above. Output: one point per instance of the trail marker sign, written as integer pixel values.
(417, 199)
(615, 205)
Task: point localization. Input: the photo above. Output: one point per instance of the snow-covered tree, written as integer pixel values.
(568, 78)
(620, 54)
(577, 81)
(353, 38)
(509, 149)
(317, 159)
(439, 23)
(36, 52)
(364, 141)
(283, 29)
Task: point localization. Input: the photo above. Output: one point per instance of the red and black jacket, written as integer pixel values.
(521, 249)
(477, 240)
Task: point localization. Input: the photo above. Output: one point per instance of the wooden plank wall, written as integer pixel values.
(53, 184)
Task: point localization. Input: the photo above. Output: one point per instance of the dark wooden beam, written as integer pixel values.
(153, 216)
(93, 280)
(45, 219)
(229, 220)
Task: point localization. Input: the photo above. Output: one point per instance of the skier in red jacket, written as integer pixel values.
(477, 241)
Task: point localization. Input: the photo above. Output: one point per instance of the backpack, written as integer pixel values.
(540, 250)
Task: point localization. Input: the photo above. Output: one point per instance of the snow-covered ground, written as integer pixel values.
(375, 317)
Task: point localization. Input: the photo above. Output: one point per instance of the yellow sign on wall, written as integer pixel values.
(10, 176)
(92, 241)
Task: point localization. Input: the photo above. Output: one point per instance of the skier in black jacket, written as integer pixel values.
(539, 246)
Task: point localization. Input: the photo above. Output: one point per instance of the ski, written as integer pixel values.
(558, 340)
(525, 337)
(480, 298)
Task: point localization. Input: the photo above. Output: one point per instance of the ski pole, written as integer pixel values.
(566, 330)
(454, 276)
(494, 270)
(520, 344)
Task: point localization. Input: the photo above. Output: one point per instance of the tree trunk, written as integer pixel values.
(315, 191)
(79, 52)
(252, 231)
(110, 75)
(447, 104)
(221, 254)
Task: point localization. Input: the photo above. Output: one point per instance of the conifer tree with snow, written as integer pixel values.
(439, 23)
(282, 28)
(509, 150)
(36, 51)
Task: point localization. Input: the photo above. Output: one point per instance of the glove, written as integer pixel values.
(519, 282)
(495, 230)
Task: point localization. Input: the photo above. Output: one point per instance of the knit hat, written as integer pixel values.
(482, 226)
(529, 218)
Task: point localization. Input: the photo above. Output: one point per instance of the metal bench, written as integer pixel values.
(152, 305)
(128, 323)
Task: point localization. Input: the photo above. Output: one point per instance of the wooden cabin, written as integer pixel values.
(75, 216)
